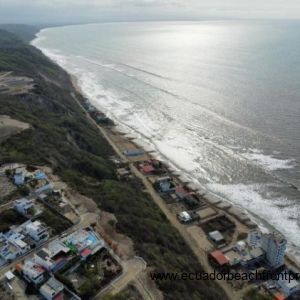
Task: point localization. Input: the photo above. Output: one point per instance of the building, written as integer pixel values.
(52, 290)
(86, 242)
(287, 286)
(13, 245)
(32, 272)
(54, 257)
(274, 245)
(218, 258)
(19, 176)
(181, 192)
(37, 231)
(123, 173)
(217, 238)
(133, 152)
(8, 251)
(40, 175)
(252, 256)
(165, 185)
(254, 238)
(184, 217)
(23, 206)
(146, 168)
(47, 188)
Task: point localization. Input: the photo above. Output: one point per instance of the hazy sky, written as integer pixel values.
(51, 11)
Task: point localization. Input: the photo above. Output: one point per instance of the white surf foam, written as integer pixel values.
(182, 148)
(280, 213)
(269, 162)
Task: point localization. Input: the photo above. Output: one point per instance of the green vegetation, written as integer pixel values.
(254, 294)
(56, 222)
(120, 296)
(24, 32)
(60, 135)
(10, 217)
(63, 138)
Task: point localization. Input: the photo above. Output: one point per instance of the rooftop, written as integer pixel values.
(220, 257)
(216, 236)
(52, 287)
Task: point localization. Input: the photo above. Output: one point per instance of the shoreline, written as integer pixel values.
(238, 214)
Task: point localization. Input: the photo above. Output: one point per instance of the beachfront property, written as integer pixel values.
(274, 244)
(165, 185)
(133, 152)
(181, 192)
(151, 167)
(217, 238)
(269, 248)
(184, 217)
(218, 259)
(85, 242)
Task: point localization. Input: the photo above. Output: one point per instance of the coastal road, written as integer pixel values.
(191, 242)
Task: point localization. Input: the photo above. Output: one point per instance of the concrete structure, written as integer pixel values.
(217, 238)
(47, 188)
(274, 244)
(52, 290)
(165, 185)
(8, 251)
(12, 245)
(254, 238)
(23, 206)
(133, 152)
(9, 275)
(54, 257)
(219, 258)
(181, 192)
(84, 241)
(32, 272)
(288, 287)
(37, 231)
(40, 175)
(19, 176)
(184, 217)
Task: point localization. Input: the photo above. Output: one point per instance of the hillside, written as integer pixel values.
(62, 137)
(25, 32)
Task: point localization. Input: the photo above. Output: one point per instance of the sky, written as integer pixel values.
(77, 11)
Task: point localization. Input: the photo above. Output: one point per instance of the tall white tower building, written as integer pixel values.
(274, 244)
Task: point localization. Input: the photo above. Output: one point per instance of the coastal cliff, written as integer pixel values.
(62, 137)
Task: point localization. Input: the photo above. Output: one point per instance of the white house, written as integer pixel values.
(37, 231)
(33, 272)
(23, 206)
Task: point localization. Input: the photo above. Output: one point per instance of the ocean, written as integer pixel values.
(218, 100)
